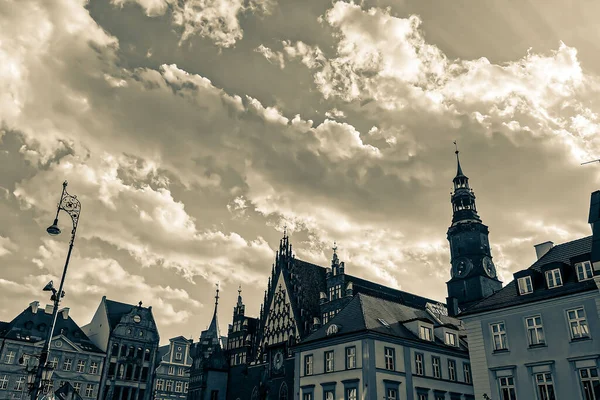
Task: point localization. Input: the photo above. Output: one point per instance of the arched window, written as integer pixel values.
(283, 392)
(254, 393)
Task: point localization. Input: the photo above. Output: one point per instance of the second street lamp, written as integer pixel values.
(71, 205)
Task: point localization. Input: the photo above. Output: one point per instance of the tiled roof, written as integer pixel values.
(30, 327)
(384, 292)
(562, 253)
(115, 311)
(368, 313)
(162, 351)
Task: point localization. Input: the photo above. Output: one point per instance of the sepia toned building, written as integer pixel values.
(172, 374)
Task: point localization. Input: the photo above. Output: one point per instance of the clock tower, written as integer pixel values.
(473, 274)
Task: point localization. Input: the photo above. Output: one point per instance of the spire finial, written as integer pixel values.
(285, 231)
(239, 290)
(458, 168)
(334, 248)
(217, 296)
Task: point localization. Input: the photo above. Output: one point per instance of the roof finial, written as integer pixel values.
(217, 296)
(458, 168)
(285, 231)
(239, 290)
(334, 248)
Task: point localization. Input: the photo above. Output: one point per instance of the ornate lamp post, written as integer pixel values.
(32, 367)
(71, 206)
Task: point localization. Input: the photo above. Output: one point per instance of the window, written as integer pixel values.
(89, 390)
(525, 285)
(54, 362)
(553, 278)
(390, 355)
(422, 396)
(169, 386)
(185, 387)
(425, 332)
(77, 387)
(307, 396)
(450, 339)
(584, 271)
(383, 322)
(180, 371)
(452, 370)
(214, 395)
(391, 394)
(67, 364)
(283, 392)
(328, 395)
(94, 367)
(19, 383)
(418, 364)
(308, 364)
(171, 370)
(577, 323)
(350, 357)
(590, 383)
(179, 386)
(467, 372)
(160, 384)
(9, 357)
(435, 361)
(177, 356)
(507, 388)
(329, 361)
(3, 382)
(499, 336)
(351, 394)
(80, 365)
(545, 388)
(535, 332)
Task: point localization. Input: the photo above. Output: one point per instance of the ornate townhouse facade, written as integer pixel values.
(172, 374)
(75, 358)
(129, 337)
(537, 338)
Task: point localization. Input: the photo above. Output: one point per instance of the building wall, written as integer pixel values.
(561, 356)
(218, 383)
(98, 330)
(61, 352)
(173, 370)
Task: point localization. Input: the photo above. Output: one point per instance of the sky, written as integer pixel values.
(193, 131)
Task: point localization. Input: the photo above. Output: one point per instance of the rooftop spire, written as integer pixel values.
(239, 294)
(334, 259)
(458, 168)
(213, 329)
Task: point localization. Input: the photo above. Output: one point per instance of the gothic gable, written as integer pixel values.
(280, 323)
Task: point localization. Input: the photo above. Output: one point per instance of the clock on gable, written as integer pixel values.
(277, 360)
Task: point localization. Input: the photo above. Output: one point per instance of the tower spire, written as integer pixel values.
(213, 329)
(458, 168)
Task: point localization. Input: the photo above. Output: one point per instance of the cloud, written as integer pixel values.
(7, 246)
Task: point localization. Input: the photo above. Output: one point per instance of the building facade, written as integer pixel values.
(75, 358)
(129, 337)
(537, 338)
(172, 374)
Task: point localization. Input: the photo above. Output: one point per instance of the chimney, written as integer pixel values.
(316, 324)
(49, 308)
(34, 306)
(322, 298)
(542, 248)
(65, 313)
(452, 306)
(594, 221)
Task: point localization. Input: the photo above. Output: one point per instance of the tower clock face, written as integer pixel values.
(462, 266)
(278, 360)
(489, 267)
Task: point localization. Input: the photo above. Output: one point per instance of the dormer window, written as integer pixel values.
(553, 278)
(425, 333)
(450, 339)
(525, 285)
(584, 271)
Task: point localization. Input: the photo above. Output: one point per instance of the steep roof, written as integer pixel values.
(115, 311)
(33, 327)
(366, 313)
(388, 293)
(563, 253)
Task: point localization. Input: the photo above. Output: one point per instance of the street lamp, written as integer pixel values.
(31, 368)
(71, 206)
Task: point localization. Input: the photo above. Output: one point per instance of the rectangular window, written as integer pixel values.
(185, 387)
(93, 367)
(9, 357)
(177, 356)
(391, 394)
(350, 357)
(160, 384)
(351, 394)
(338, 291)
(545, 387)
(214, 395)
(577, 323)
(328, 395)
(418, 364)
(308, 364)
(178, 387)
(590, 383)
(425, 332)
(507, 388)
(169, 386)
(535, 331)
(331, 293)
(467, 372)
(325, 319)
(171, 370)
(421, 396)
(451, 339)
(452, 370)
(19, 383)
(77, 387)
(54, 362)
(584, 271)
(390, 358)
(80, 365)
(89, 390)
(437, 373)
(3, 382)
(525, 285)
(181, 371)
(329, 361)
(499, 336)
(553, 278)
(307, 396)
(67, 364)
